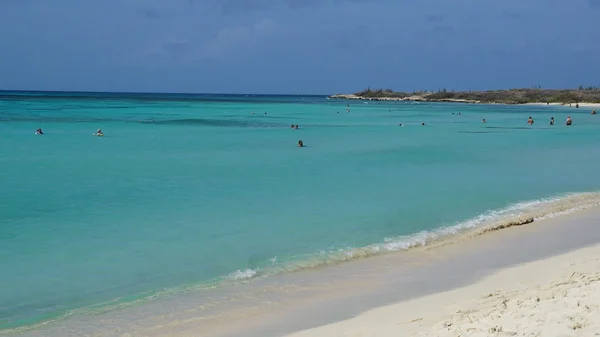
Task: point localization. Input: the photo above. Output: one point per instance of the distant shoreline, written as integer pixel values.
(415, 98)
(582, 97)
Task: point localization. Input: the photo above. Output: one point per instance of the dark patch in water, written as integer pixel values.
(214, 122)
(155, 97)
(478, 132)
(508, 127)
(59, 119)
(44, 109)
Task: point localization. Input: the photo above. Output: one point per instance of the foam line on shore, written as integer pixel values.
(517, 214)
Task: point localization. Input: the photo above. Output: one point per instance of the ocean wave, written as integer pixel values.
(242, 274)
(517, 214)
(216, 122)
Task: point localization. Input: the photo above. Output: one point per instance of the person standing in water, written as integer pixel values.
(551, 120)
(39, 132)
(569, 121)
(483, 121)
(530, 121)
(300, 143)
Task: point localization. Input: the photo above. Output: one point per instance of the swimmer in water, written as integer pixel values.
(400, 124)
(530, 121)
(551, 120)
(569, 121)
(297, 126)
(483, 121)
(39, 132)
(292, 126)
(594, 112)
(99, 133)
(300, 143)
(423, 124)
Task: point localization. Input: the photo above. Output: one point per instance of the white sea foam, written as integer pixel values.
(245, 274)
(517, 214)
(513, 215)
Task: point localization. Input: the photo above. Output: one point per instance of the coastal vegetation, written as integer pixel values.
(583, 94)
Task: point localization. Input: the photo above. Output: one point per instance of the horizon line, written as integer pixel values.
(149, 92)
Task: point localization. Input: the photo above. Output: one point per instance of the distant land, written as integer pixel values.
(583, 94)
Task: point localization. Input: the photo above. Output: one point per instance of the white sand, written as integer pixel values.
(581, 105)
(559, 296)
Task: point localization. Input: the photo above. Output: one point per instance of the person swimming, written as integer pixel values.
(423, 124)
(530, 121)
(594, 112)
(551, 120)
(569, 121)
(300, 143)
(39, 132)
(297, 126)
(483, 121)
(99, 133)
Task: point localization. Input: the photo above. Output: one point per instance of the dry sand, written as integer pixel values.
(558, 296)
(581, 105)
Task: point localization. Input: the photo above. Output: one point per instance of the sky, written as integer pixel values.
(297, 46)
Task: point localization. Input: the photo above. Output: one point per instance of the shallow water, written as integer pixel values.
(189, 190)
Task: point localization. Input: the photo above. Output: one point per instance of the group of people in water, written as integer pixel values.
(569, 121)
(295, 127)
(98, 132)
(530, 121)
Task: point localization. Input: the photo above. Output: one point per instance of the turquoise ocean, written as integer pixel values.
(205, 190)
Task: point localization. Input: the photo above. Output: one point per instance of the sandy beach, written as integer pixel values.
(421, 98)
(558, 296)
(581, 105)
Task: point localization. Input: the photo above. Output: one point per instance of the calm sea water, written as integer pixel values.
(198, 189)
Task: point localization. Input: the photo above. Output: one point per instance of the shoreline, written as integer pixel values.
(417, 98)
(556, 296)
(461, 275)
(272, 306)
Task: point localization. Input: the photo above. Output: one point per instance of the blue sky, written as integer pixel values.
(297, 46)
